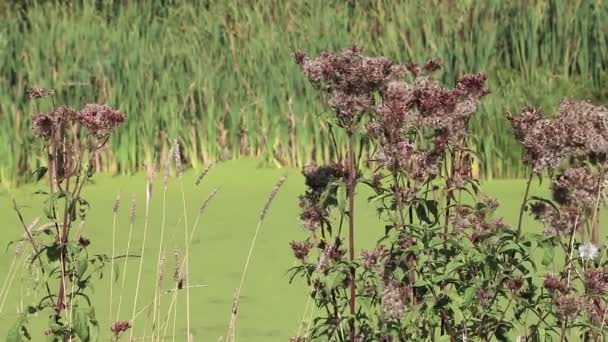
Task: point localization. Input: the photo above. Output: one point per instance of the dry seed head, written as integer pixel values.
(161, 267)
(132, 209)
(116, 204)
(176, 271)
(167, 168)
(148, 193)
(235, 301)
(204, 173)
(177, 155)
(208, 200)
(271, 197)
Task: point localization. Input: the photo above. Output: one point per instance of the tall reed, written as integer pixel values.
(193, 69)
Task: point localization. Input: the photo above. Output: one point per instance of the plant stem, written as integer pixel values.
(523, 204)
(351, 184)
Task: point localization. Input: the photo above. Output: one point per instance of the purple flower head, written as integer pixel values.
(394, 301)
(120, 327)
(100, 120)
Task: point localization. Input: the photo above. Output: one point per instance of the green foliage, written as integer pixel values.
(217, 74)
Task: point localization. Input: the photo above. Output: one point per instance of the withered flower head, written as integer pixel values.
(312, 215)
(100, 120)
(120, 326)
(596, 280)
(567, 306)
(370, 258)
(515, 284)
(394, 301)
(36, 93)
(473, 84)
(349, 78)
(577, 186)
(553, 283)
(301, 249)
(46, 124)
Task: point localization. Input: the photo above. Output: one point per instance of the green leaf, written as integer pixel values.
(81, 264)
(81, 323)
(18, 332)
(548, 255)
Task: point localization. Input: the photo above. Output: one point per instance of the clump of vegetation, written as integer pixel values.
(71, 138)
(445, 265)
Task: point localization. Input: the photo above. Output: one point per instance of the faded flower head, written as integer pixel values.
(567, 306)
(394, 301)
(588, 251)
(370, 258)
(349, 78)
(515, 284)
(36, 93)
(596, 280)
(579, 130)
(120, 327)
(100, 120)
(301, 249)
(312, 215)
(577, 186)
(46, 124)
(553, 283)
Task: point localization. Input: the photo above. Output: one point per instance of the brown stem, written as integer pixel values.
(351, 184)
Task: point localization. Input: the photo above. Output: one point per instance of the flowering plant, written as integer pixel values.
(72, 138)
(444, 264)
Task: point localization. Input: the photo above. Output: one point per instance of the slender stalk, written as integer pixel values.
(124, 270)
(351, 184)
(141, 257)
(157, 299)
(232, 326)
(187, 261)
(114, 217)
(522, 208)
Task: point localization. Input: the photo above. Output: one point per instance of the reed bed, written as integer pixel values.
(218, 73)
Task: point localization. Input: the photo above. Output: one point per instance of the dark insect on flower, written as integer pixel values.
(483, 296)
(36, 93)
(553, 283)
(432, 65)
(84, 242)
(596, 280)
(515, 284)
(301, 249)
(120, 327)
(100, 120)
(567, 306)
(539, 210)
(318, 177)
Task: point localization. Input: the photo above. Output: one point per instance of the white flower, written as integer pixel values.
(588, 251)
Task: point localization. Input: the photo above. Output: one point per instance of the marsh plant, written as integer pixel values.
(445, 265)
(71, 140)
